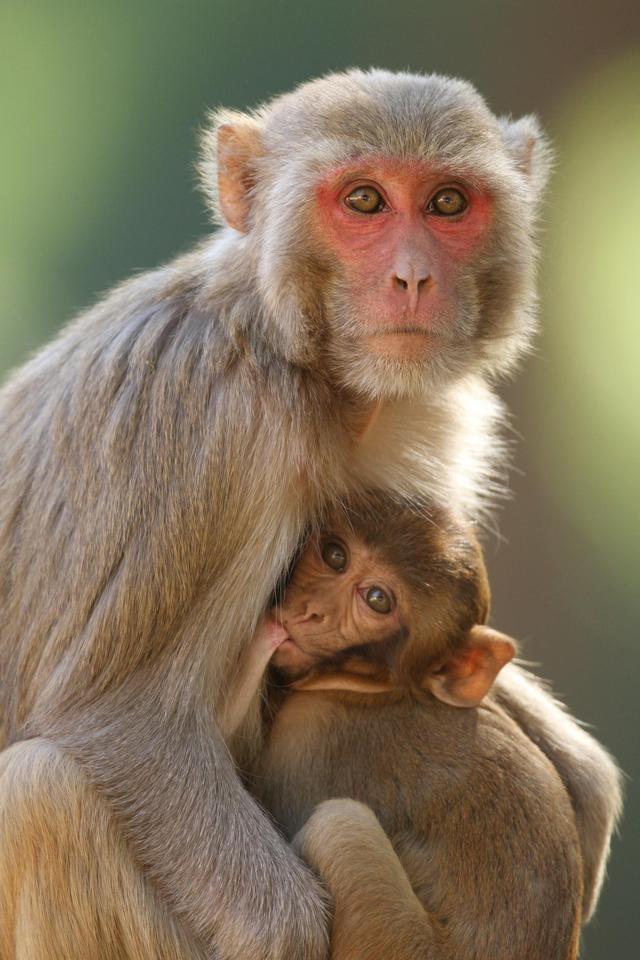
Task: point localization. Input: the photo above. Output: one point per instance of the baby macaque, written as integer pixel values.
(468, 846)
(370, 601)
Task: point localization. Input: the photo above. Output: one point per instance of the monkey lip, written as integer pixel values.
(289, 652)
(408, 330)
(405, 342)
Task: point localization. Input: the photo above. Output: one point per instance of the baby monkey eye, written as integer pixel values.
(365, 200)
(378, 599)
(447, 203)
(334, 555)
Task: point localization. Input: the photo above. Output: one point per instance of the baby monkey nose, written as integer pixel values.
(310, 613)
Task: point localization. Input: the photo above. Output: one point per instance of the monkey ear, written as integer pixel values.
(228, 166)
(530, 150)
(466, 676)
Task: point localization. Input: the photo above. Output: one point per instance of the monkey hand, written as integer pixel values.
(333, 825)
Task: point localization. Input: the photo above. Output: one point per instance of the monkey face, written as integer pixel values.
(383, 593)
(354, 623)
(342, 604)
(392, 222)
(403, 239)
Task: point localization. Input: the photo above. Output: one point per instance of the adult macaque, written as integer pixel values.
(477, 851)
(162, 456)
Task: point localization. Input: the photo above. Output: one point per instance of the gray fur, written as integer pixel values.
(161, 457)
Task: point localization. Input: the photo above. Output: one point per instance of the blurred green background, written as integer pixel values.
(100, 107)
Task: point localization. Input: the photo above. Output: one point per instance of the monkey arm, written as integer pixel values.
(197, 834)
(590, 775)
(162, 561)
(377, 915)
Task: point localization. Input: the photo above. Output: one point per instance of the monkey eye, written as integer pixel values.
(378, 599)
(365, 200)
(447, 203)
(335, 556)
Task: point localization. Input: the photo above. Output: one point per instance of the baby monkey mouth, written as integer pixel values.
(295, 657)
(288, 643)
(291, 644)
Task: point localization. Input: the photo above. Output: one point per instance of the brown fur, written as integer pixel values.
(482, 827)
(436, 556)
(492, 822)
(163, 455)
(589, 773)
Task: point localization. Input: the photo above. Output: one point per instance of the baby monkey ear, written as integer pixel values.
(465, 677)
(228, 166)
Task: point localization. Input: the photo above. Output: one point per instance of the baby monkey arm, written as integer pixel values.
(377, 915)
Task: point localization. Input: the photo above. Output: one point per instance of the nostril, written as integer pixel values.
(309, 616)
(401, 283)
(422, 282)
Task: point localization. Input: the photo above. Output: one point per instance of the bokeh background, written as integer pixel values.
(100, 106)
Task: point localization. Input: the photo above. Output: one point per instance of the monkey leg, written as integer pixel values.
(590, 775)
(69, 889)
(377, 916)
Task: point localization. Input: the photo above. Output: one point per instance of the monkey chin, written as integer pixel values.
(405, 344)
(398, 365)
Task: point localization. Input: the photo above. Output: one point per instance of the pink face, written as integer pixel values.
(404, 236)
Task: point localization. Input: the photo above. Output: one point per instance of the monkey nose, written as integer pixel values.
(310, 614)
(410, 283)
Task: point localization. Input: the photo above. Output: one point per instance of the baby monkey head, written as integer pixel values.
(391, 596)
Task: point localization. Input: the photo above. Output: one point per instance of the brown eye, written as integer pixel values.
(365, 200)
(447, 203)
(334, 556)
(378, 599)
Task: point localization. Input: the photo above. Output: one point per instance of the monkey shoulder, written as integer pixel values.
(195, 311)
(492, 757)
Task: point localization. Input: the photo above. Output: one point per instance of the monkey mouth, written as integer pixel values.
(289, 644)
(288, 649)
(411, 330)
(422, 331)
(405, 343)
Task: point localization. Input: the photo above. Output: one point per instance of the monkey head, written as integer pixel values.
(389, 598)
(390, 218)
